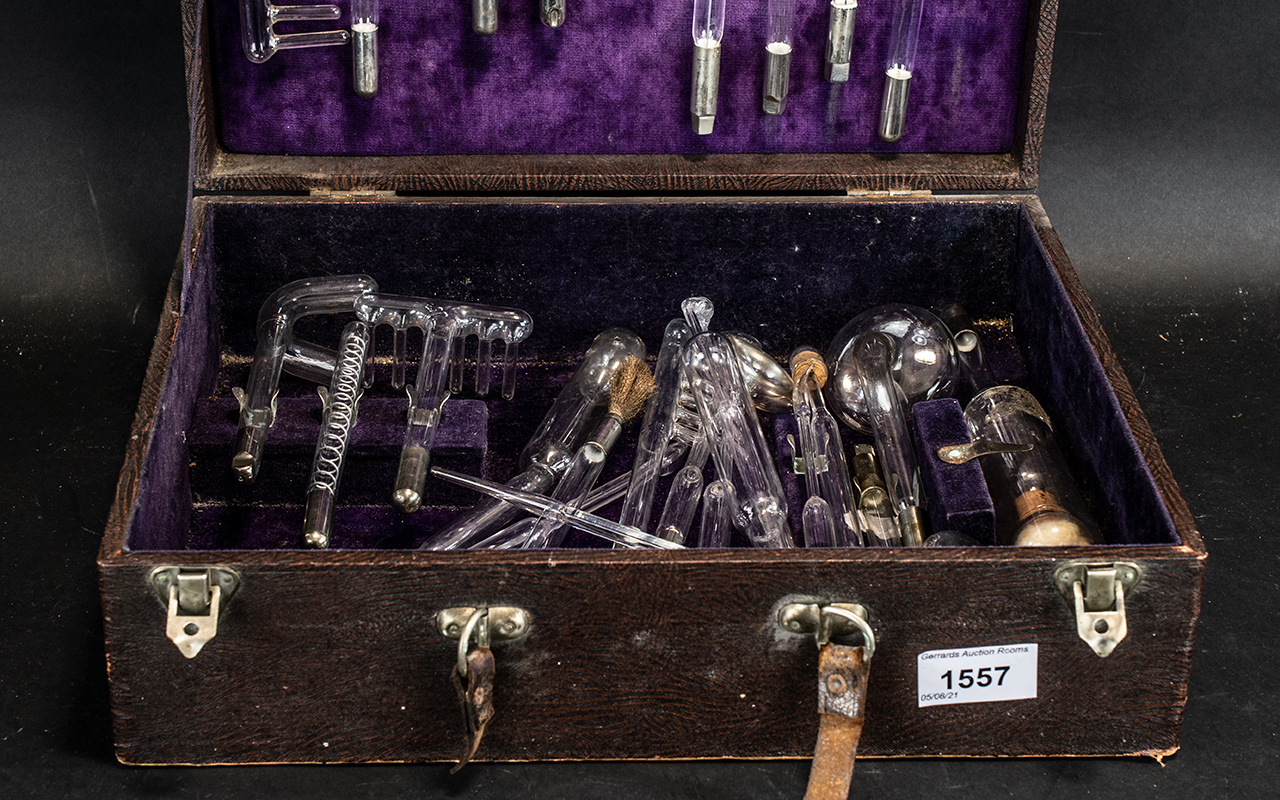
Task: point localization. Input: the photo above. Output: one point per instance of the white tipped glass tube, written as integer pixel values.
(904, 33)
(777, 71)
(364, 38)
(708, 30)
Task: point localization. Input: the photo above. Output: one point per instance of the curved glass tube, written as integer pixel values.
(284, 307)
(258, 38)
(923, 363)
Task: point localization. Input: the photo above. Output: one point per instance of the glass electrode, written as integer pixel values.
(904, 31)
(840, 39)
(364, 40)
(777, 69)
(259, 40)
(708, 30)
(551, 12)
(1037, 501)
(484, 17)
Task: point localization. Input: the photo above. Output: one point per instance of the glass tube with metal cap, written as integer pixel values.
(708, 30)
(364, 39)
(840, 39)
(484, 17)
(904, 31)
(777, 68)
(551, 12)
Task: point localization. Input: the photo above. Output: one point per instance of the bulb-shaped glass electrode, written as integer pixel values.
(840, 39)
(777, 68)
(708, 30)
(904, 32)
(1037, 501)
(364, 39)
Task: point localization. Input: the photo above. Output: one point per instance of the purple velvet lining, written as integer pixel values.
(786, 272)
(957, 493)
(615, 78)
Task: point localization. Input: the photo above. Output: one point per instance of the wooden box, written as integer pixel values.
(335, 656)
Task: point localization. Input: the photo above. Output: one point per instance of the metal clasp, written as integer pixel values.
(1096, 592)
(828, 621)
(193, 597)
(495, 623)
(967, 451)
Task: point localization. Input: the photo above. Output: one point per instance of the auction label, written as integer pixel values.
(976, 675)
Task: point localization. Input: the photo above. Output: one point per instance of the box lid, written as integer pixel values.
(601, 104)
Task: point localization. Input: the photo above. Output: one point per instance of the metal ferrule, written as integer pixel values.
(551, 12)
(777, 77)
(706, 87)
(411, 477)
(317, 521)
(250, 442)
(484, 16)
(913, 525)
(364, 38)
(840, 40)
(894, 110)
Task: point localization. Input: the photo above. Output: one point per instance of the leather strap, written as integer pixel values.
(476, 696)
(842, 690)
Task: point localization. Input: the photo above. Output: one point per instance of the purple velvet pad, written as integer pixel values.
(787, 273)
(957, 493)
(615, 78)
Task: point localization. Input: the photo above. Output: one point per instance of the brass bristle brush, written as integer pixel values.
(628, 391)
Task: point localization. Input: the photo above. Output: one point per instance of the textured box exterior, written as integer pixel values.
(334, 656)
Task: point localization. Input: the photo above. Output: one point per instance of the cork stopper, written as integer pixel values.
(1036, 501)
(805, 358)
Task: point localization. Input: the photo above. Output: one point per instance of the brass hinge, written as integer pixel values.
(889, 193)
(352, 194)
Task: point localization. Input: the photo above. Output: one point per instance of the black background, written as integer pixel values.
(1161, 173)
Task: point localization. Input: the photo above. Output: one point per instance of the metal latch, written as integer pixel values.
(499, 624)
(473, 677)
(827, 621)
(1097, 592)
(194, 597)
